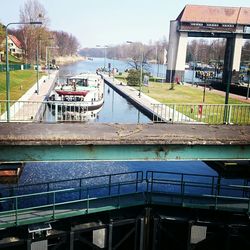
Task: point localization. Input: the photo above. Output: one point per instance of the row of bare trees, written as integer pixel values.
(39, 37)
(151, 52)
(198, 50)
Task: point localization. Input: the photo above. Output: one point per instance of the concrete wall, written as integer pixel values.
(177, 50)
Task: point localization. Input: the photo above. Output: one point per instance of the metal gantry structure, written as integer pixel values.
(101, 204)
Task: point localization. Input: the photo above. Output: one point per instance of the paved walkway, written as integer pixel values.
(29, 105)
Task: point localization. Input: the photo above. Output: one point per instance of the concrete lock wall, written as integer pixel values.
(238, 43)
(177, 51)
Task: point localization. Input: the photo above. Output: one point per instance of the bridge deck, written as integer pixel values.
(71, 142)
(117, 134)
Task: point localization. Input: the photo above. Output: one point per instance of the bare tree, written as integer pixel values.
(67, 43)
(32, 10)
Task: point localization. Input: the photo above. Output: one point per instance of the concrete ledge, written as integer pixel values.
(122, 134)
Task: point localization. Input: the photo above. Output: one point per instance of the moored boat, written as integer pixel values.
(80, 94)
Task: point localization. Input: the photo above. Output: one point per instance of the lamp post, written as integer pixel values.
(7, 65)
(140, 68)
(37, 70)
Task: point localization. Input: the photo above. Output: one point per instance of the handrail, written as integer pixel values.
(80, 179)
(149, 185)
(201, 113)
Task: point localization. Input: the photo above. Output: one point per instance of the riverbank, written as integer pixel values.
(63, 60)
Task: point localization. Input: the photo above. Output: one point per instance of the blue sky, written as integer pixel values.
(110, 22)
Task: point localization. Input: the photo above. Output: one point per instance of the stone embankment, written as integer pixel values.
(62, 60)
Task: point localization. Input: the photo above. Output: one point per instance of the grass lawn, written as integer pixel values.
(20, 82)
(12, 60)
(183, 94)
(192, 95)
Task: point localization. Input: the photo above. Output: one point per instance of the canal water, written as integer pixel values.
(115, 110)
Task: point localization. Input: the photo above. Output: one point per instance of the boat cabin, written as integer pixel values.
(83, 82)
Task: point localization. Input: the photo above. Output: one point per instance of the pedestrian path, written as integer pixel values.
(30, 104)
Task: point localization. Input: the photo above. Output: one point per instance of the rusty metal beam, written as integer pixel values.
(122, 142)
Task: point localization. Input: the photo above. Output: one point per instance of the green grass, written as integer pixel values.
(183, 94)
(191, 95)
(20, 82)
(12, 60)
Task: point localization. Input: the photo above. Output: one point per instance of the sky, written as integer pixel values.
(111, 22)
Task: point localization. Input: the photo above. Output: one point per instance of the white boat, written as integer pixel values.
(81, 95)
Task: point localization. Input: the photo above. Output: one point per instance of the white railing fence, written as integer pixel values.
(55, 111)
(47, 111)
(238, 114)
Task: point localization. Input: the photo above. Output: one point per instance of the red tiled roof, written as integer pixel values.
(215, 14)
(244, 16)
(15, 41)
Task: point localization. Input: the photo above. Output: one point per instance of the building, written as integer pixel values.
(231, 23)
(15, 47)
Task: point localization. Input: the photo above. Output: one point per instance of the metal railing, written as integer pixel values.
(238, 114)
(113, 191)
(132, 177)
(50, 111)
(194, 190)
(47, 111)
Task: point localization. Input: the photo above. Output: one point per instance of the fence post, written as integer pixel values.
(87, 201)
(153, 115)
(56, 111)
(54, 201)
(182, 189)
(16, 213)
(109, 184)
(229, 115)
(136, 185)
(173, 115)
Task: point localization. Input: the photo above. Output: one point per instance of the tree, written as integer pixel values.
(2, 36)
(133, 78)
(67, 43)
(29, 35)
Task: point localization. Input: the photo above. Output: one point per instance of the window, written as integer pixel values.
(196, 24)
(212, 24)
(228, 25)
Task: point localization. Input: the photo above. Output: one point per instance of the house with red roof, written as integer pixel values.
(14, 45)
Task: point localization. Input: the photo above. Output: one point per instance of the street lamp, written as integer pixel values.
(140, 67)
(7, 65)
